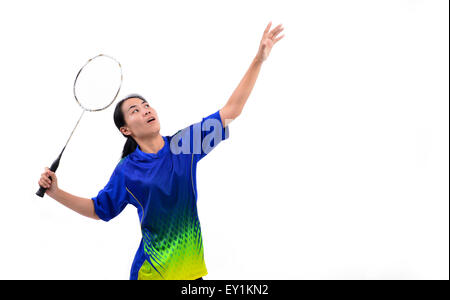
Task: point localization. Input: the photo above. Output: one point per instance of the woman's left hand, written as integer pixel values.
(268, 40)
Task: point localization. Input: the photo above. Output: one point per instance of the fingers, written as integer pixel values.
(273, 33)
(267, 28)
(45, 181)
(276, 31)
(50, 174)
(277, 39)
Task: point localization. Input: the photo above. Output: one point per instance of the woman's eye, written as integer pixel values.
(135, 110)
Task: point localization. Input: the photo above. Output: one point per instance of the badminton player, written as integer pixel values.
(157, 175)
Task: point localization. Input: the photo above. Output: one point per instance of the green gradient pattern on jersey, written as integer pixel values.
(174, 246)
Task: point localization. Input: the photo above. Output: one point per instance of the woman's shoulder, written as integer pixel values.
(121, 165)
(122, 160)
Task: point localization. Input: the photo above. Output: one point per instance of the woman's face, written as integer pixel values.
(137, 114)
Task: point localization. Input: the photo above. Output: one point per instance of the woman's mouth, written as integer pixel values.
(150, 120)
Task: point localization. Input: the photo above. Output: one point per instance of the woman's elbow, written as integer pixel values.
(228, 114)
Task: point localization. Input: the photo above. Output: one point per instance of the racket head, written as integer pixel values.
(98, 83)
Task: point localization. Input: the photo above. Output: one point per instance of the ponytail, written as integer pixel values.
(129, 147)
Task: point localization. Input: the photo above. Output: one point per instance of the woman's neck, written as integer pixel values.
(151, 144)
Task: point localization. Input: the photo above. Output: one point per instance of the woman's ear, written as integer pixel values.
(125, 130)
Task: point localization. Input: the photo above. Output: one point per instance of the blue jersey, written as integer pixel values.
(162, 186)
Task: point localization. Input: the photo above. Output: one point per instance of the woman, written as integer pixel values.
(157, 174)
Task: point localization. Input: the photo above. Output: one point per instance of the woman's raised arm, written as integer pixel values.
(236, 102)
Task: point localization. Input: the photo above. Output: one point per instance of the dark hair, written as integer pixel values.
(119, 120)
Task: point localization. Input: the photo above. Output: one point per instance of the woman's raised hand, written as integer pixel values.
(269, 39)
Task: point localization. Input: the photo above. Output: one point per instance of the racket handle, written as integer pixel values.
(53, 167)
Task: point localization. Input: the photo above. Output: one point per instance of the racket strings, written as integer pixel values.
(98, 83)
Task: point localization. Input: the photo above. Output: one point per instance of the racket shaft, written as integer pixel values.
(55, 164)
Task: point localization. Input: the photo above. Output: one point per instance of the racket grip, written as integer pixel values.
(53, 168)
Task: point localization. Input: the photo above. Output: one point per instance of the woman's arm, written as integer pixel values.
(83, 206)
(235, 104)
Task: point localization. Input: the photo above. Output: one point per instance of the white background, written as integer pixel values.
(336, 169)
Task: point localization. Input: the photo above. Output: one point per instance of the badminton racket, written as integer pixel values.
(95, 88)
